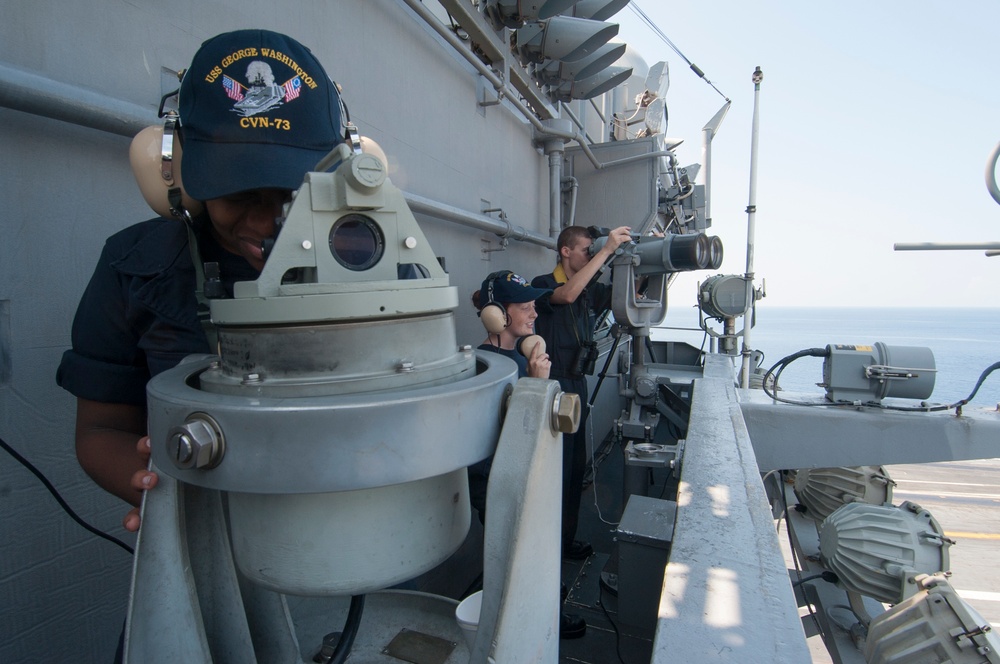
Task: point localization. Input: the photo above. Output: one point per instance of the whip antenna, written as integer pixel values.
(758, 76)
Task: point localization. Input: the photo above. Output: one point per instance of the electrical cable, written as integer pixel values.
(648, 343)
(612, 622)
(826, 575)
(604, 371)
(595, 464)
(783, 363)
(62, 503)
(795, 557)
(986, 372)
(346, 641)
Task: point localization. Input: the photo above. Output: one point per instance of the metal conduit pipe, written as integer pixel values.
(574, 187)
(37, 95)
(438, 210)
(555, 193)
(555, 148)
(31, 93)
(572, 116)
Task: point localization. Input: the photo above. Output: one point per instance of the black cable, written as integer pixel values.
(596, 459)
(783, 363)
(649, 349)
(62, 503)
(797, 564)
(346, 642)
(826, 575)
(604, 371)
(986, 372)
(930, 409)
(607, 615)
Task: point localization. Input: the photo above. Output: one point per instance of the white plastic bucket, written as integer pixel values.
(467, 616)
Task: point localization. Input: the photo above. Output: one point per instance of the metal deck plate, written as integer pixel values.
(419, 648)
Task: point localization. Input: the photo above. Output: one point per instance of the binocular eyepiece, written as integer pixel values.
(672, 253)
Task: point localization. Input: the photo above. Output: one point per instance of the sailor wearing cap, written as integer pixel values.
(256, 112)
(506, 304)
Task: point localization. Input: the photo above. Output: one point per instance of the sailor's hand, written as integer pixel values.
(539, 364)
(142, 480)
(619, 236)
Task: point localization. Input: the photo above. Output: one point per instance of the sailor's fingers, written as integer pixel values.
(131, 521)
(143, 447)
(144, 479)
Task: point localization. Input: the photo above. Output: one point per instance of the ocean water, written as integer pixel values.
(964, 342)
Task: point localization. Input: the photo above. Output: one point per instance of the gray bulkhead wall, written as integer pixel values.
(64, 188)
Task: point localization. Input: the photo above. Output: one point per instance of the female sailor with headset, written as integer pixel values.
(506, 304)
(257, 111)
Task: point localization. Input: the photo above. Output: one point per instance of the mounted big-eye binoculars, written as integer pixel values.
(655, 258)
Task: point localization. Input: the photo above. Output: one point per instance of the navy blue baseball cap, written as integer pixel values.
(257, 110)
(505, 287)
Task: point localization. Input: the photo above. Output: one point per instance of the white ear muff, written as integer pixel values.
(526, 345)
(156, 165)
(494, 318)
(368, 146)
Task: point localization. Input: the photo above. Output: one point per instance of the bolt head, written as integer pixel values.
(198, 443)
(566, 412)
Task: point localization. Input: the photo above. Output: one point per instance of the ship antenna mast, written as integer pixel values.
(758, 76)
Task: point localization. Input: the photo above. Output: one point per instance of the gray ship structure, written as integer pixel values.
(313, 503)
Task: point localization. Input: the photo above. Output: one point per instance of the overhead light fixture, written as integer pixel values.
(596, 10)
(591, 87)
(562, 38)
(515, 13)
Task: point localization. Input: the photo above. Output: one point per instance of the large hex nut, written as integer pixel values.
(198, 443)
(566, 411)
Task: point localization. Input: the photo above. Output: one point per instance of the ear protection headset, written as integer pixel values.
(155, 156)
(493, 314)
(526, 345)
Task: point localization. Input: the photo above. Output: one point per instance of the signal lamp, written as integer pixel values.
(724, 296)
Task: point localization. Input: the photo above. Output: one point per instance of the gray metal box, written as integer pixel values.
(644, 536)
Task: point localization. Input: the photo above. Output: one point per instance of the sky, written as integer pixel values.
(876, 121)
